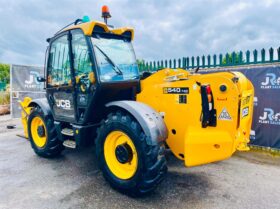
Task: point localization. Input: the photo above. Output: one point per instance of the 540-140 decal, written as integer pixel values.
(175, 90)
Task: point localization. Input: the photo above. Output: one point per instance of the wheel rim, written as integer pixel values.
(120, 155)
(38, 132)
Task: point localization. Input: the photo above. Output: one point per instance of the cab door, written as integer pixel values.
(60, 88)
(83, 69)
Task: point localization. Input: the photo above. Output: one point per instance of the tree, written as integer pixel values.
(4, 73)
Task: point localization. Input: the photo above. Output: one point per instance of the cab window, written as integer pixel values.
(82, 62)
(59, 72)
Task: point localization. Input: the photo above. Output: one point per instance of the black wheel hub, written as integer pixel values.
(124, 153)
(41, 131)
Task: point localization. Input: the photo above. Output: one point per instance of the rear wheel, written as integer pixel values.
(126, 160)
(42, 134)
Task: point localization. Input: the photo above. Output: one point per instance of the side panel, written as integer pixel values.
(151, 121)
(177, 94)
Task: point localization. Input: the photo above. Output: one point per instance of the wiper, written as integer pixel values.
(115, 67)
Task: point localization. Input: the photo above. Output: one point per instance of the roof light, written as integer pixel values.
(85, 19)
(105, 13)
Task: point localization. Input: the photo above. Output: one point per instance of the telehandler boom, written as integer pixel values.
(94, 94)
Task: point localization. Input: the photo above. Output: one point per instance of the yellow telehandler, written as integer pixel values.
(95, 95)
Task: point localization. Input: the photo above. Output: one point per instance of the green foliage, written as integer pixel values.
(140, 62)
(4, 73)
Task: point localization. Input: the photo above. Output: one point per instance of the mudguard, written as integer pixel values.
(43, 104)
(150, 120)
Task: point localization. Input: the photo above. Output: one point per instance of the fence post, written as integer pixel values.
(166, 65)
(263, 55)
(227, 58)
(240, 57)
(170, 64)
(203, 61)
(278, 52)
(255, 54)
(197, 61)
(184, 62)
(221, 60)
(179, 63)
(192, 62)
(247, 56)
(271, 51)
(233, 58)
(215, 60)
(209, 61)
(188, 63)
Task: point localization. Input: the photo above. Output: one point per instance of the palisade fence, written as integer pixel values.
(227, 60)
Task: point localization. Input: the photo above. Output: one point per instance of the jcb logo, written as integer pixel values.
(271, 82)
(64, 104)
(269, 117)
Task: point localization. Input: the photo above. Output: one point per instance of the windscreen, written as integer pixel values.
(116, 59)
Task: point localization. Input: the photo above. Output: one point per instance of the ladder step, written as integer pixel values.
(67, 132)
(70, 144)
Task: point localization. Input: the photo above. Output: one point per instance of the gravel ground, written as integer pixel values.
(247, 180)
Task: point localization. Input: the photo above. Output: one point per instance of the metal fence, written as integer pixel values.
(214, 61)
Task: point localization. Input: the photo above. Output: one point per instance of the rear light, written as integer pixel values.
(208, 112)
(209, 98)
(208, 89)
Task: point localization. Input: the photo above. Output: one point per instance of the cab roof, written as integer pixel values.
(95, 26)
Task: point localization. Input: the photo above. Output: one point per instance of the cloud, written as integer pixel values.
(163, 29)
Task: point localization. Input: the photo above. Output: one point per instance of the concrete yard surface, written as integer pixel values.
(73, 180)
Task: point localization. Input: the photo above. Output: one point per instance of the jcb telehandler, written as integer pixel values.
(94, 93)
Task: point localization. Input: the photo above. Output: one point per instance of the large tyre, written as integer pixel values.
(42, 134)
(126, 160)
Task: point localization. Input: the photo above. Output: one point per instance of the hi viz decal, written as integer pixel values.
(224, 115)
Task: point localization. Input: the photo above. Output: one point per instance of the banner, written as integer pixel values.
(24, 84)
(266, 120)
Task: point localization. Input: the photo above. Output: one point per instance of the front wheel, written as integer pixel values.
(42, 134)
(126, 160)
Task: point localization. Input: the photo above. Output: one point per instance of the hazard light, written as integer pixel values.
(105, 13)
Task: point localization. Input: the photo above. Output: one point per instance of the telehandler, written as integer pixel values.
(95, 95)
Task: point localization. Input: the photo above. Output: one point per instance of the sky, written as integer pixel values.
(164, 29)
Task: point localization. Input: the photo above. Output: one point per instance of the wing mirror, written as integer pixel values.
(41, 79)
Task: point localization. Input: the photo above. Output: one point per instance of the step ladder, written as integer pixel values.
(68, 143)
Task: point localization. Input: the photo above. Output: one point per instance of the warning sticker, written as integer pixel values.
(224, 115)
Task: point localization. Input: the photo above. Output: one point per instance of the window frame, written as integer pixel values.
(66, 33)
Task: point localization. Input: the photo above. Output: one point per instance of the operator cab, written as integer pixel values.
(88, 65)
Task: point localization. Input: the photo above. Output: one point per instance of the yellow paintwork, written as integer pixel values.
(192, 143)
(88, 27)
(91, 77)
(25, 113)
(38, 140)
(120, 170)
